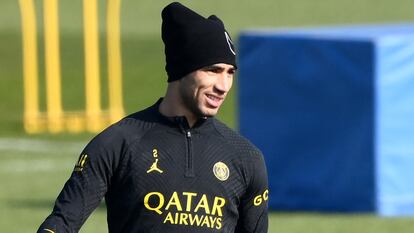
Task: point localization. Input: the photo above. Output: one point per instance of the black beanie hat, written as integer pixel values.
(193, 42)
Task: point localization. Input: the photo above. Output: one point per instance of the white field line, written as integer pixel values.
(36, 165)
(37, 148)
(42, 146)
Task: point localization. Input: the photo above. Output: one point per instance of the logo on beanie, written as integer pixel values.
(230, 43)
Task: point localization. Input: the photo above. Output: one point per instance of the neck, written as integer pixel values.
(172, 105)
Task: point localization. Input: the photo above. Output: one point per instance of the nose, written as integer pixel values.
(223, 83)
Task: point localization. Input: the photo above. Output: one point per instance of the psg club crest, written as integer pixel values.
(221, 171)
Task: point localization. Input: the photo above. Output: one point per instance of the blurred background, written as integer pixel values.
(34, 167)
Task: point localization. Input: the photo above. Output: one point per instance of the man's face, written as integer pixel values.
(204, 90)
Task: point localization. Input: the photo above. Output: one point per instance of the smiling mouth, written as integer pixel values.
(214, 101)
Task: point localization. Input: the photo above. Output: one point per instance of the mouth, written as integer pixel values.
(214, 101)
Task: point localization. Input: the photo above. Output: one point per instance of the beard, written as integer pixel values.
(190, 102)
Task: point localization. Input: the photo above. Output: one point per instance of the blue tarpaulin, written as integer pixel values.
(332, 109)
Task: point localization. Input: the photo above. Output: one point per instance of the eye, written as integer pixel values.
(213, 69)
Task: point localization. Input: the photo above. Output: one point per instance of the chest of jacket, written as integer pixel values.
(183, 177)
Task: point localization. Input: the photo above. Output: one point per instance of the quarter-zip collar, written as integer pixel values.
(180, 121)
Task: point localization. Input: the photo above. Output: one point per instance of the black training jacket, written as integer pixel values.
(158, 175)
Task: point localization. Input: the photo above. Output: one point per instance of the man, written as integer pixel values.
(173, 167)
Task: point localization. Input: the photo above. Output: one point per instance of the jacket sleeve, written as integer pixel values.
(253, 213)
(86, 186)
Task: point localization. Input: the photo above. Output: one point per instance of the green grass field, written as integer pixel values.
(33, 172)
(33, 168)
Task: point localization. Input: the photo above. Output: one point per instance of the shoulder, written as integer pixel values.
(128, 130)
(137, 123)
(237, 141)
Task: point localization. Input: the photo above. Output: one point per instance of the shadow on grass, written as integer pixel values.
(39, 204)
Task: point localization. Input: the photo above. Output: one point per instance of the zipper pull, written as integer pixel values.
(188, 134)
